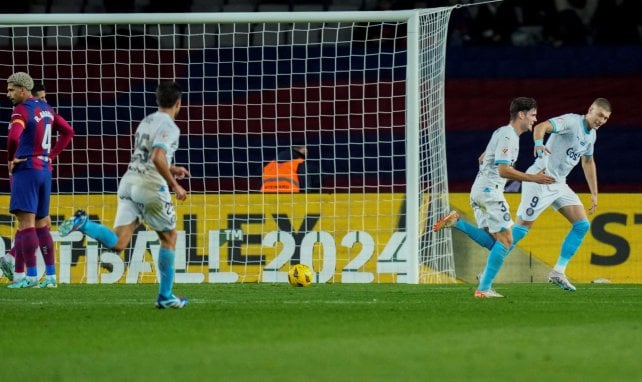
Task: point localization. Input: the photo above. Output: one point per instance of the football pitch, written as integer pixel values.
(330, 332)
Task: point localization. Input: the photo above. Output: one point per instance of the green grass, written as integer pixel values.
(340, 332)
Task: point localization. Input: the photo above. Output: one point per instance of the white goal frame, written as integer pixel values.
(426, 171)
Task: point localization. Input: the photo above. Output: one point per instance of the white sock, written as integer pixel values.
(560, 269)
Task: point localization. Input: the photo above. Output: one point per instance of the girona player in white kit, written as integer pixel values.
(492, 212)
(144, 192)
(572, 138)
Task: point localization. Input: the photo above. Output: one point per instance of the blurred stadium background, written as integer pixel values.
(564, 53)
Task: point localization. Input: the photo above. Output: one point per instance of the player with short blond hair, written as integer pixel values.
(571, 140)
(30, 154)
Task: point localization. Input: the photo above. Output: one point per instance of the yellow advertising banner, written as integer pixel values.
(243, 238)
(611, 251)
(348, 238)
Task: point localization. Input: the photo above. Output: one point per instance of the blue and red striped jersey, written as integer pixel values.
(35, 121)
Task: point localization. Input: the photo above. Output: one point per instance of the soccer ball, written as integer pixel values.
(300, 275)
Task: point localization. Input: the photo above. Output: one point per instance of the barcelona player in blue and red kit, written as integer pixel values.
(30, 154)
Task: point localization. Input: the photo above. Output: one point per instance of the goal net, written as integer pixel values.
(363, 92)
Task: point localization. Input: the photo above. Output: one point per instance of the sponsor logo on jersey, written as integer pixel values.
(573, 154)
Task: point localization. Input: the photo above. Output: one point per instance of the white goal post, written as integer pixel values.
(362, 91)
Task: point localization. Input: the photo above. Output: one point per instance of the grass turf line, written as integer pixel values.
(331, 332)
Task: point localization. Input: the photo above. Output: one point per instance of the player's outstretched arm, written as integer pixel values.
(508, 172)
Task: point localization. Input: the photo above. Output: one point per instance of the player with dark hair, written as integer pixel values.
(487, 194)
(39, 92)
(572, 138)
(30, 155)
(144, 192)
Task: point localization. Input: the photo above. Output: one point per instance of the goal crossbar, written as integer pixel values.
(214, 17)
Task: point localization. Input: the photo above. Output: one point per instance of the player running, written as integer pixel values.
(487, 194)
(572, 138)
(143, 192)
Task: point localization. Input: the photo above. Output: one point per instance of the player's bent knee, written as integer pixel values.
(581, 226)
(121, 245)
(507, 243)
(505, 239)
(119, 248)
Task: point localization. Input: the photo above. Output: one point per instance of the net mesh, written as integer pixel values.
(252, 90)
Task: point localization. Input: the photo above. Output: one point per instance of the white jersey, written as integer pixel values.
(156, 130)
(570, 140)
(502, 148)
